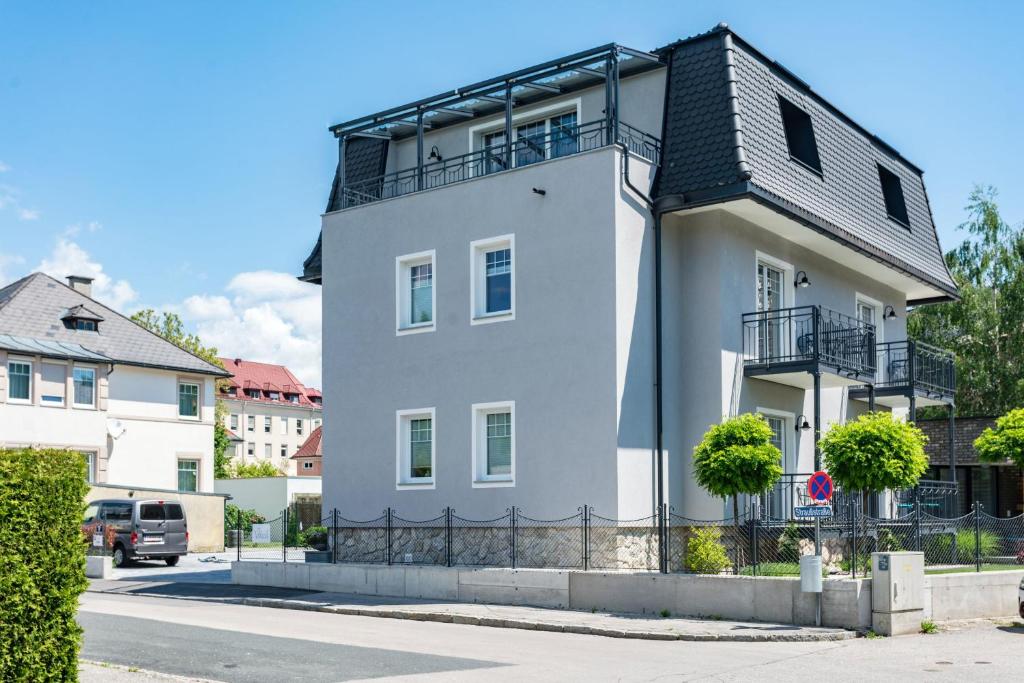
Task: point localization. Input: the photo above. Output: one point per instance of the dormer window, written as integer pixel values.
(293, 398)
(81, 318)
(800, 135)
(892, 191)
(253, 393)
(274, 395)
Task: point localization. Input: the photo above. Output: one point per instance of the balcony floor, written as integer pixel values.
(899, 397)
(799, 375)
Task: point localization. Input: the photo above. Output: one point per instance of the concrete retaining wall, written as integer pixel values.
(971, 595)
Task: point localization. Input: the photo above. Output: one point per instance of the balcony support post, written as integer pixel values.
(608, 100)
(871, 398)
(419, 151)
(342, 145)
(952, 450)
(912, 375)
(508, 125)
(615, 97)
(817, 418)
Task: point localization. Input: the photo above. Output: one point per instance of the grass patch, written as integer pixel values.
(929, 627)
(772, 569)
(665, 614)
(971, 569)
(871, 635)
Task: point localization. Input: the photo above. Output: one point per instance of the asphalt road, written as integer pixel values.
(235, 643)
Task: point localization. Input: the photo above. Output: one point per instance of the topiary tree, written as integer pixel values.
(873, 453)
(1005, 441)
(735, 457)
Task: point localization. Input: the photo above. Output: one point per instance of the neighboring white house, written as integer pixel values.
(269, 496)
(270, 413)
(77, 374)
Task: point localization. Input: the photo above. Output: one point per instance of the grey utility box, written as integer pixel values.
(810, 573)
(897, 592)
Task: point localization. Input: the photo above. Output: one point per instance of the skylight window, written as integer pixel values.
(892, 190)
(800, 135)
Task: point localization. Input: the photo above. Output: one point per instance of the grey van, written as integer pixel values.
(138, 529)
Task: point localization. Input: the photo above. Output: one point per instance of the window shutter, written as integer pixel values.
(53, 383)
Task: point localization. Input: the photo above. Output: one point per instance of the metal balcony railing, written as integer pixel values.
(916, 365)
(561, 141)
(809, 334)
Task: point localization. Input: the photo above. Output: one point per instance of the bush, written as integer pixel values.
(248, 518)
(254, 470)
(314, 537)
(789, 544)
(42, 563)
(939, 548)
(705, 553)
(888, 542)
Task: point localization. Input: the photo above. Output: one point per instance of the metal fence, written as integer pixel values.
(753, 545)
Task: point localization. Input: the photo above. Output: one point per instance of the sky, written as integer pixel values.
(179, 152)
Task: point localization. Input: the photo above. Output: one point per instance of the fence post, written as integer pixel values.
(448, 536)
(754, 521)
(977, 536)
(334, 533)
(666, 531)
(284, 535)
(239, 533)
(387, 535)
(917, 518)
(512, 537)
(853, 536)
(585, 529)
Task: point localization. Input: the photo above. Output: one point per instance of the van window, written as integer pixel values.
(117, 512)
(152, 513)
(174, 511)
(91, 512)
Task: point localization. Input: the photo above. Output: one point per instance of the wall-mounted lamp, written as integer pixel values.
(889, 313)
(802, 280)
(802, 425)
(435, 154)
(539, 191)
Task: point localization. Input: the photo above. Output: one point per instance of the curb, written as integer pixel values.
(532, 625)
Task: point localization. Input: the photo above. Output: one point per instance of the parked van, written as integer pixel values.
(138, 529)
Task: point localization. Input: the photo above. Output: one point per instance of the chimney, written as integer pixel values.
(81, 284)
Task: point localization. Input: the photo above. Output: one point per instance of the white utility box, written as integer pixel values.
(810, 573)
(897, 592)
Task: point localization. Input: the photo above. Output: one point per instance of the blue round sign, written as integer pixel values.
(819, 486)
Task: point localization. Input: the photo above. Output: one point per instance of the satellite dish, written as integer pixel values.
(116, 429)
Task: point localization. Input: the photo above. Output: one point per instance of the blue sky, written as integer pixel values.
(182, 147)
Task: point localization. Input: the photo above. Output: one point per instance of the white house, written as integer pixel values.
(77, 374)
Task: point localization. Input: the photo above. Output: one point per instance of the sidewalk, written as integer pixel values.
(500, 616)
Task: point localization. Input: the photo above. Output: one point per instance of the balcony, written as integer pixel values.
(792, 345)
(526, 150)
(912, 371)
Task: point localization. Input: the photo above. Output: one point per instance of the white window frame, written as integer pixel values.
(233, 422)
(283, 426)
(788, 289)
(268, 424)
(199, 399)
(403, 297)
(403, 454)
(478, 475)
(879, 308)
(31, 381)
(299, 430)
(64, 397)
(250, 423)
(91, 465)
(250, 449)
(199, 471)
(522, 118)
(307, 465)
(791, 442)
(283, 451)
(96, 388)
(268, 451)
(478, 249)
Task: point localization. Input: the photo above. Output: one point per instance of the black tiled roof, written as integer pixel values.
(709, 150)
(365, 158)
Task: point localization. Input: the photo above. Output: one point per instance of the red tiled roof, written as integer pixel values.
(313, 448)
(266, 377)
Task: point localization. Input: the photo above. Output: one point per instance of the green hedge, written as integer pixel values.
(42, 563)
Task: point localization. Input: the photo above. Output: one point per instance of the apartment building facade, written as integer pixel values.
(549, 284)
(76, 374)
(270, 413)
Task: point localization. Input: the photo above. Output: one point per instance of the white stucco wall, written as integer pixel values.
(267, 495)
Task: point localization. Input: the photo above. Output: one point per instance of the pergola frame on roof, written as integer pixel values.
(499, 91)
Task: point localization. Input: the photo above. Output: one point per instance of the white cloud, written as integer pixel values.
(265, 316)
(4, 168)
(68, 258)
(28, 214)
(10, 196)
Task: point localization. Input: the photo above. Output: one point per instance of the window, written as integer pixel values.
(266, 425)
(530, 143)
(91, 512)
(188, 400)
(493, 287)
(19, 381)
(415, 448)
(564, 135)
(298, 426)
(174, 511)
(283, 426)
(188, 475)
(780, 500)
(266, 451)
(892, 192)
(293, 398)
(251, 420)
(250, 450)
(238, 450)
(770, 297)
(252, 393)
(85, 387)
(800, 135)
(90, 466)
(494, 444)
(53, 383)
(307, 465)
(494, 152)
(534, 141)
(85, 325)
(415, 298)
(284, 451)
(155, 512)
(234, 423)
(274, 395)
(117, 512)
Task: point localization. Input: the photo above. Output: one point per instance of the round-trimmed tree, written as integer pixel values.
(874, 453)
(737, 457)
(1005, 441)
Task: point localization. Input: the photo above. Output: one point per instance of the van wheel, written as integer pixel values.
(171, 561)
(120, 556)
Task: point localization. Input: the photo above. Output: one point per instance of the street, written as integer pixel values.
(252, 644)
